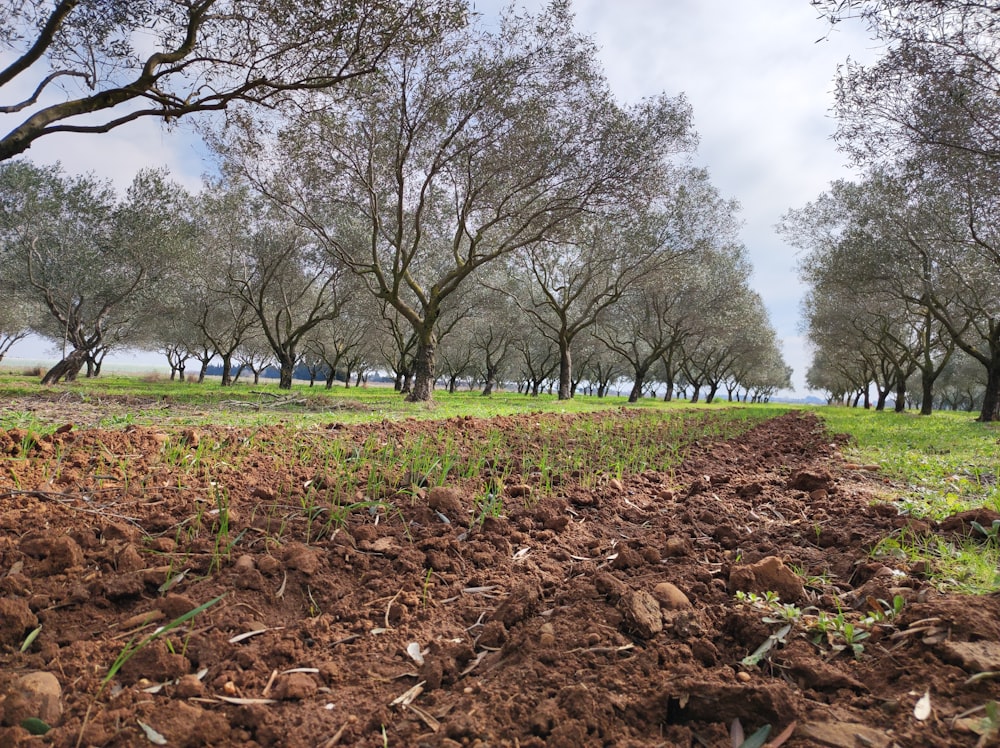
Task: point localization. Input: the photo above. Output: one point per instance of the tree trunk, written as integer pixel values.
(926, 392)
(285, 372)
(696, 391)
(882, 395)
(712, 389)
(66, 369)
(423, 372)
(638, 381)
(991, 396)
(227, 365)
(565, 371)
(900, 394)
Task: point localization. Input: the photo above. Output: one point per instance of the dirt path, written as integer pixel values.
(601, 616)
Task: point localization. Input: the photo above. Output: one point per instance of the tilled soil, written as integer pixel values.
(591, 616)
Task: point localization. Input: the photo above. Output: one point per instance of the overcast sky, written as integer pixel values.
(759, 82)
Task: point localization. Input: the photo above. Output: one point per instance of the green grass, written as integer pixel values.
(945, 463)
(155, 400)
(948, 461)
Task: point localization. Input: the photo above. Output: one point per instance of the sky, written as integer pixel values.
(759, 75)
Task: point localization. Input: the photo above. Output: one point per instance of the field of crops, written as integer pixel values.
(201, 566)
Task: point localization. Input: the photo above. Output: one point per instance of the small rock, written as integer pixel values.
(268, 565)
(676, 546)
(641, 613)
(446, 500)
(670, 597)
(163, 545)
(295, 686)
(844, 734)
(244, 563)
(808, 480)
(175, 605)
(301, 557)
(189, 687)
(546, 635)
(34, 695)
(973, 657)
(628, 558)
(767, 575)
(16, 620)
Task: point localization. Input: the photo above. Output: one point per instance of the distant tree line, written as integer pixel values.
(902, 263)
(473, 205)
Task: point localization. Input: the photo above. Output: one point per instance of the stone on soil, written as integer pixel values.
(302, 558)
(16, 620)
(809, 480)
(34, 695)
(446, 500)
(844, 735)
(670, 596)
(641, 613)
(974, 657)
(767, 575)
(295, 686)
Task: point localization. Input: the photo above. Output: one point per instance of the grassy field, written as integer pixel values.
(948, 462)
(155, 400)
(945, 463)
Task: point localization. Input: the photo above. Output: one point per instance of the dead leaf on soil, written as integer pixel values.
(922, 710)
(243, 702)
(152, 735)
(246, 635)
(407, 697)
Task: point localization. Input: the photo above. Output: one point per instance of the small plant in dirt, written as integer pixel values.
(844, 631)
(488, 504)
(133, 647)
(991, 534)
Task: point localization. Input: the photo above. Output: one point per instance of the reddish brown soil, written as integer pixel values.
(550, 626)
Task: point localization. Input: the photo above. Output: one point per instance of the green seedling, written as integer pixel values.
(752, 660)
(30, 638)
(992, 534)
(853, 637)
(133, 647)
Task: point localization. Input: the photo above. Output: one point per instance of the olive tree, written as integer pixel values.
(92, 260)
(455, 154)
(89, 66)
